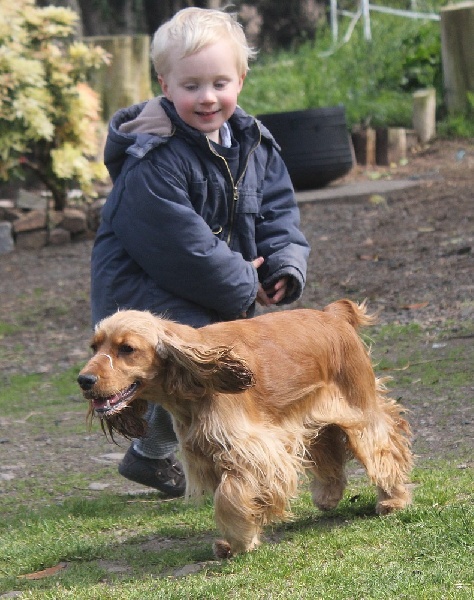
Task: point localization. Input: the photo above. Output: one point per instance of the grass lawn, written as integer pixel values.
(57, 541)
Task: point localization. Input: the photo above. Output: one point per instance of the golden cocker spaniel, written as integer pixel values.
(255, 403)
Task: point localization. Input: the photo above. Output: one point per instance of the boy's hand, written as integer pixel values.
(273, 294)
(262, 298)
(258, 262)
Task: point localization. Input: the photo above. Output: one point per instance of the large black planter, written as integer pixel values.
(315, 144)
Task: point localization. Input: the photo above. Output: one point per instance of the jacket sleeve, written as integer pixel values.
(279, 237)
(158, 227)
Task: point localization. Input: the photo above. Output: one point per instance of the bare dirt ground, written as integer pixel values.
(410, 253)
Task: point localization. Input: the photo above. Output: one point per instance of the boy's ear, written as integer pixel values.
(241, 82)
(163, 85)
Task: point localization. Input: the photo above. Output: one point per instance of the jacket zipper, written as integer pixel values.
(235, 184)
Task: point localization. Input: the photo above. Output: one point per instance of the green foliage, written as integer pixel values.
(374, 80)
(49, 117)
(460, 125)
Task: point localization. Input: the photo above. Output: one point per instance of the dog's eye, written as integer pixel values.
(125, 349)
(94, 348)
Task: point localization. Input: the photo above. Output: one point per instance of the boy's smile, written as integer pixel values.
(204, 87)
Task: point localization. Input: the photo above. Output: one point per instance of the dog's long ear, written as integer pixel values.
(195, 371)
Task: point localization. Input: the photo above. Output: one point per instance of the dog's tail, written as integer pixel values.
(355, 314)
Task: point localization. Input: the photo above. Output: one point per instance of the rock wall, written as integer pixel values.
(29, 222)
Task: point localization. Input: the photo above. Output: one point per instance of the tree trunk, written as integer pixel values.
(127, 80)
(113, 17)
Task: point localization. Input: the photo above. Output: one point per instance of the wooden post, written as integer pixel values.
(457, 52)
(127, 80)
(363, 142)
(391, 145)
(424, 114)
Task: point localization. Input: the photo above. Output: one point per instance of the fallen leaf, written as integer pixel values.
(373, 175)
(415, 306)
(45, 572)
(370, 257)
(377, 200)
(404, 368)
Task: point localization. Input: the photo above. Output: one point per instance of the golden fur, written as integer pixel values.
(255, 403)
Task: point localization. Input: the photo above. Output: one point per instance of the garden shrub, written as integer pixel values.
(49, 116)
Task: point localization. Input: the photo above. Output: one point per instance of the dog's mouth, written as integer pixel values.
(105, 405)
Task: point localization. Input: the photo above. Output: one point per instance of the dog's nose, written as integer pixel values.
(87, 381)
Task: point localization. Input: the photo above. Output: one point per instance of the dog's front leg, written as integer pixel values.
(238, 516)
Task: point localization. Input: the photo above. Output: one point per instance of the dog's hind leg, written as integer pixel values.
(383, 447)
(328, 452)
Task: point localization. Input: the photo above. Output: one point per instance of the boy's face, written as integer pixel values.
(204, 87)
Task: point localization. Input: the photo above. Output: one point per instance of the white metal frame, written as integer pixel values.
(363, 11)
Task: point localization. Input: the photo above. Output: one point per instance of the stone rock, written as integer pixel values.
(35, 219)
(10, 214)
(56, 217)
(98, 487)
(31, 201)
(74, 220)
(32, 240)
(93, 215)
(6, 204)
(83, 235)
(59, 236)
(6, 238)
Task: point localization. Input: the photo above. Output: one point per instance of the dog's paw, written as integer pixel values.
(222, 549)
(398, 499)
(386, 507)
(327, 497)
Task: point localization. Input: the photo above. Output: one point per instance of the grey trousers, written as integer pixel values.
(160, 439)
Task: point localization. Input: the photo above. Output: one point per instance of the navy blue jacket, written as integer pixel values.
(182, 223)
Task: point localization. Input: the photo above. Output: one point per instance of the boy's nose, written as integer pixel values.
(207, 96)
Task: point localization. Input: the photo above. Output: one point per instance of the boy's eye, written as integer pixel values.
(190, 87)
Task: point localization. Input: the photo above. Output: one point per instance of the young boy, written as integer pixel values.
(201, 222)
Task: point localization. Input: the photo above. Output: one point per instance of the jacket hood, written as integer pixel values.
(141, 127)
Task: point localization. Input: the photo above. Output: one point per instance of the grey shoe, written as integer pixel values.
(164, 474)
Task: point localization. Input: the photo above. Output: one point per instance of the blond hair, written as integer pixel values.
(191, 29)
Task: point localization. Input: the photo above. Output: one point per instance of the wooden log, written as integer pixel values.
(363, 142)
(127, 80)
(391, 145)
(457, 53)
(424, 114)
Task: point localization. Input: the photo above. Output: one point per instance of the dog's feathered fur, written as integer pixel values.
(255, 403)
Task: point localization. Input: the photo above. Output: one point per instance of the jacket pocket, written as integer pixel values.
(249, 202)
(248, 213)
